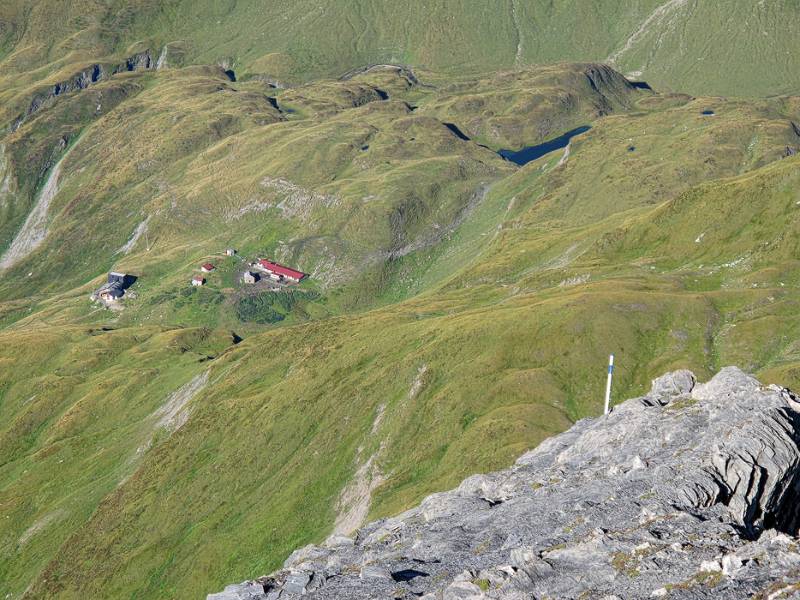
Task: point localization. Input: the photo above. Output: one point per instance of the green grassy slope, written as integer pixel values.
(207, 163)
(462, 307)
(730, 47)
(464, 379)
(78, 417)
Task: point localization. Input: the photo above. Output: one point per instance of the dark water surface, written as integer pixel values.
(640, 85)
(526, 155)
(459, 134)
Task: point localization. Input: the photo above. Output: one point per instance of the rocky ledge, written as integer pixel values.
(688, 492)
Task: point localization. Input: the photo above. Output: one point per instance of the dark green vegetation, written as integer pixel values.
(272, 307)
(459, 309)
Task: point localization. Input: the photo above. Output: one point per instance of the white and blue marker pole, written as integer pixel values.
(608, 382)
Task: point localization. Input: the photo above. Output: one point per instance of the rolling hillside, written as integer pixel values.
(459, 307)
(730, 47)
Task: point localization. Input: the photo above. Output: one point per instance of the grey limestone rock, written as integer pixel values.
(240, 591)
(666, 387)
(692, 491)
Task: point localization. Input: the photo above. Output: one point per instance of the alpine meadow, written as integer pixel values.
(272, 270)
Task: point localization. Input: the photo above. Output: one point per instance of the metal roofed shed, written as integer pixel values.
(280, 272)
(114, 288)
(112, 291)
(126, 280)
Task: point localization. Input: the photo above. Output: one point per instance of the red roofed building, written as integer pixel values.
(279, 272)
(207, 268)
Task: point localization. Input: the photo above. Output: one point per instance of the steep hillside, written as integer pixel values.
(728, 47)
(479, 233)
(163, 460)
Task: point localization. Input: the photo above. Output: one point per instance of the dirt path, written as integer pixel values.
(39, 525)
(355, 498)
(565, 156)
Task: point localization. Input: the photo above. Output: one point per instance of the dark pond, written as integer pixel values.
(459, 134)
(708, 113)
(526, 155)
(641, 85)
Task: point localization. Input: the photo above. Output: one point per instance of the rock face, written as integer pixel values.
(82, 80)
(689, 492)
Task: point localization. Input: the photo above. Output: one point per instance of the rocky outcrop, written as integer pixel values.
(78, 81)
(81, 80)
(688, 492)
(404, 71)
(609, 86)
(136, 62)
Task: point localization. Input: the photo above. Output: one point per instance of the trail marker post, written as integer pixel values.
(608, 381)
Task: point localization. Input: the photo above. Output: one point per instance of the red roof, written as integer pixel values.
(281, 270)
(208, 267)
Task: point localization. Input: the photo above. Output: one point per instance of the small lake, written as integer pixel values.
(526, 155)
